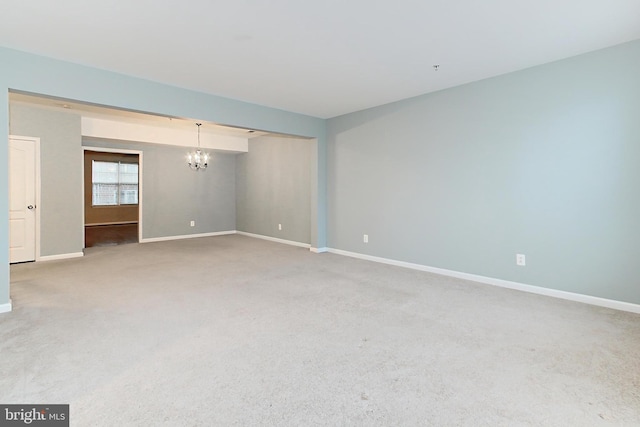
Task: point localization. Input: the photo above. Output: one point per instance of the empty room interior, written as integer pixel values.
(321, 214)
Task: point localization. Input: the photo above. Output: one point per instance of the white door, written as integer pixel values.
(22, 200)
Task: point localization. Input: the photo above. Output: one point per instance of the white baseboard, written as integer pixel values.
(186, 236)
(587, 299)
(275, 239)
(61, 256)
(319, 250)
(5, 308)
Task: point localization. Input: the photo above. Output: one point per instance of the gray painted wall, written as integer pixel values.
(542, 162)
(173, 194)
(61, 178)
(274, 187)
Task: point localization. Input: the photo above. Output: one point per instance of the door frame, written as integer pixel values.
(36, 144)
(118, 151)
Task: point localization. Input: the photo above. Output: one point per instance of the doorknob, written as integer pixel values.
(30, 207)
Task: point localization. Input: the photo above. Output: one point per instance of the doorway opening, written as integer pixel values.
(111, 198)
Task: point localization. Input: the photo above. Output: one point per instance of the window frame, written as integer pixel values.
(119, 184)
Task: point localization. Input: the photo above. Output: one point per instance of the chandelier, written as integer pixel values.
(197, 159)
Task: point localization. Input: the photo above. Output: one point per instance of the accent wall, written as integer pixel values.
(173, 195)
(273, 187)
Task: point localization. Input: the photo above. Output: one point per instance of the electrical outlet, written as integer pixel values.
(193, 223)
(521, 260)
(365, 238)
(279, 226)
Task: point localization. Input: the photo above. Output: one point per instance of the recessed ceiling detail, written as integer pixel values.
(100, 112)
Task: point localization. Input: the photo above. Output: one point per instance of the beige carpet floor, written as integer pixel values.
(233, 330)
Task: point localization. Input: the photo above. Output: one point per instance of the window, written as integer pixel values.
(114, 183)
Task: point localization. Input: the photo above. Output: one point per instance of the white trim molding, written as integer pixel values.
(319, 250)
(186, 236)
(275, 239)
(61, 256)
(6, 308)
(586, 299)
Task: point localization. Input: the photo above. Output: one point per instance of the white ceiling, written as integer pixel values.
(322, 58)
